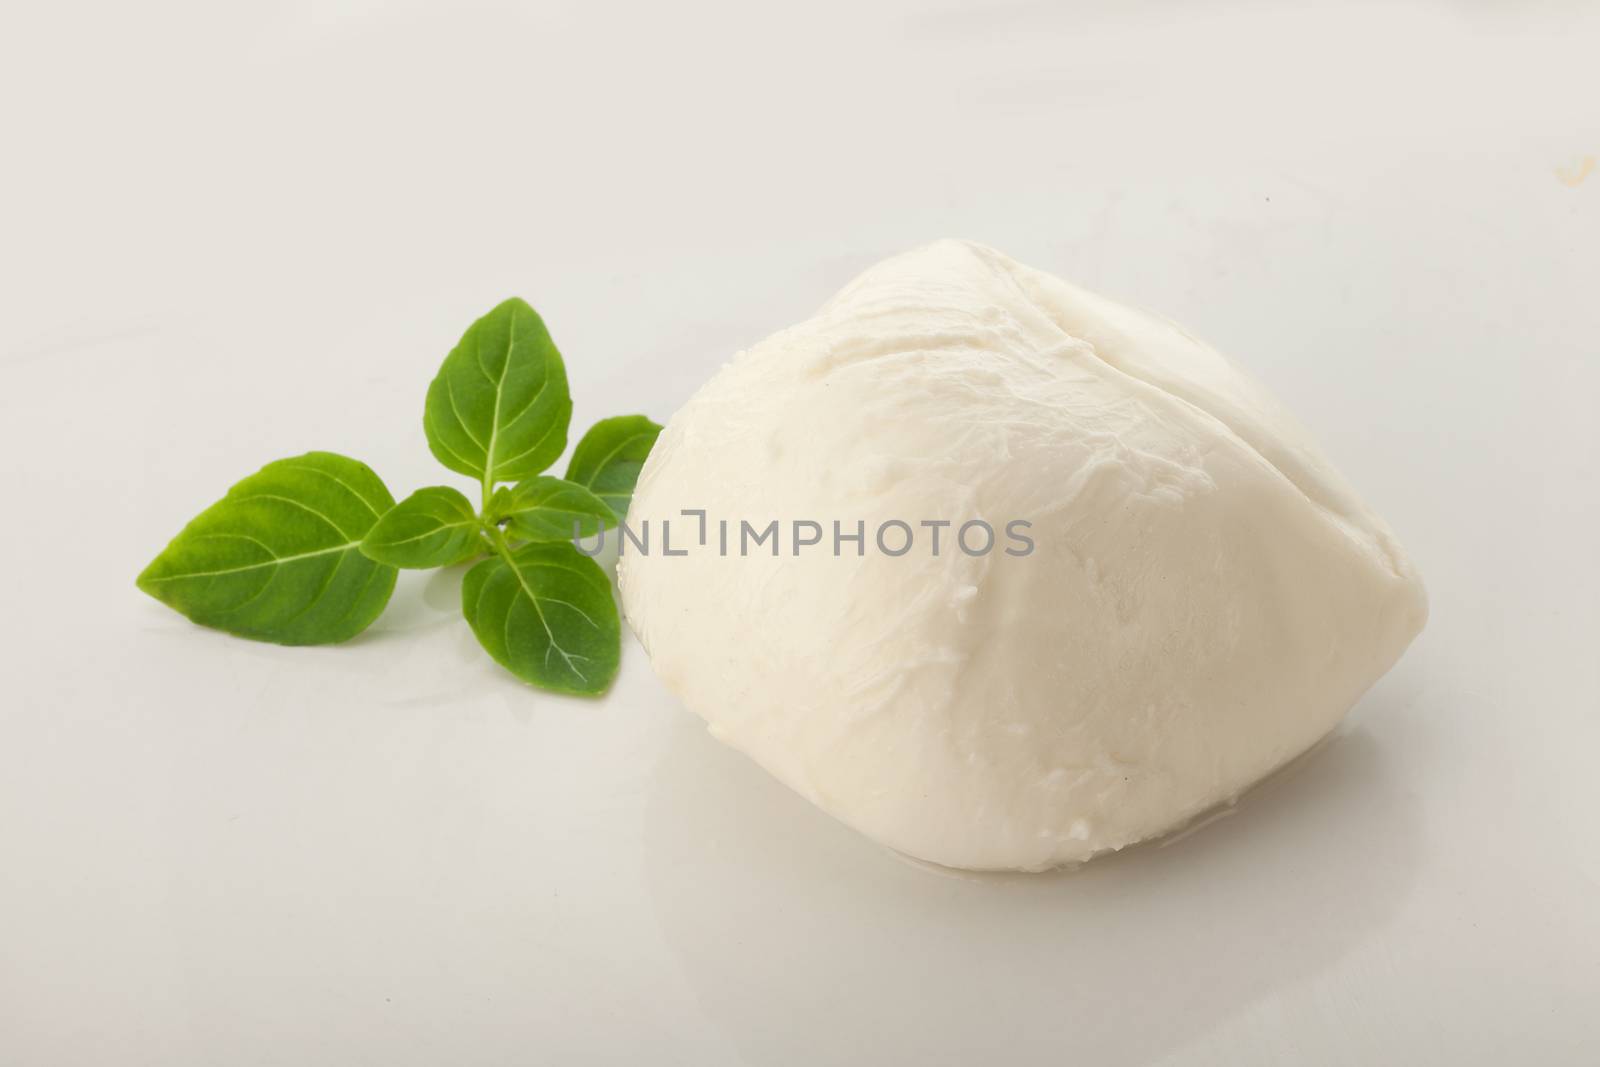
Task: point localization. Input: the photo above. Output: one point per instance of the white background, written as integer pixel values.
(230, 233)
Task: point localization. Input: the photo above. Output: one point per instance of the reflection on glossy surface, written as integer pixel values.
(849, 953)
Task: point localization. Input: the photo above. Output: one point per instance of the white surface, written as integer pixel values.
(229, 233)
(1196, 596)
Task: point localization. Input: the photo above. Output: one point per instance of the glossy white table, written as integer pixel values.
(234, 232)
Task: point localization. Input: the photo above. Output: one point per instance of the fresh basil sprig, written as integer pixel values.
(305, 551)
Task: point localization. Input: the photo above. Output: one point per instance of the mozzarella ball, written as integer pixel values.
(1181, 594)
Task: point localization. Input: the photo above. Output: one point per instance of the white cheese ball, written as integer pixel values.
(1205, 597)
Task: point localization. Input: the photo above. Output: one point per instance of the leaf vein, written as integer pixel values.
(450, 393)
(298, 504)
(273, 562)
(534, 600)
(335, 478)
(531, 448)
(609, 456)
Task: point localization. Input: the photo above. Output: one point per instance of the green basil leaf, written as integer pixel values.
(547, 616)
(552, 509)
(499, 505)
(278, 558)
(608, 459)
(432, 527)
(499, 407)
